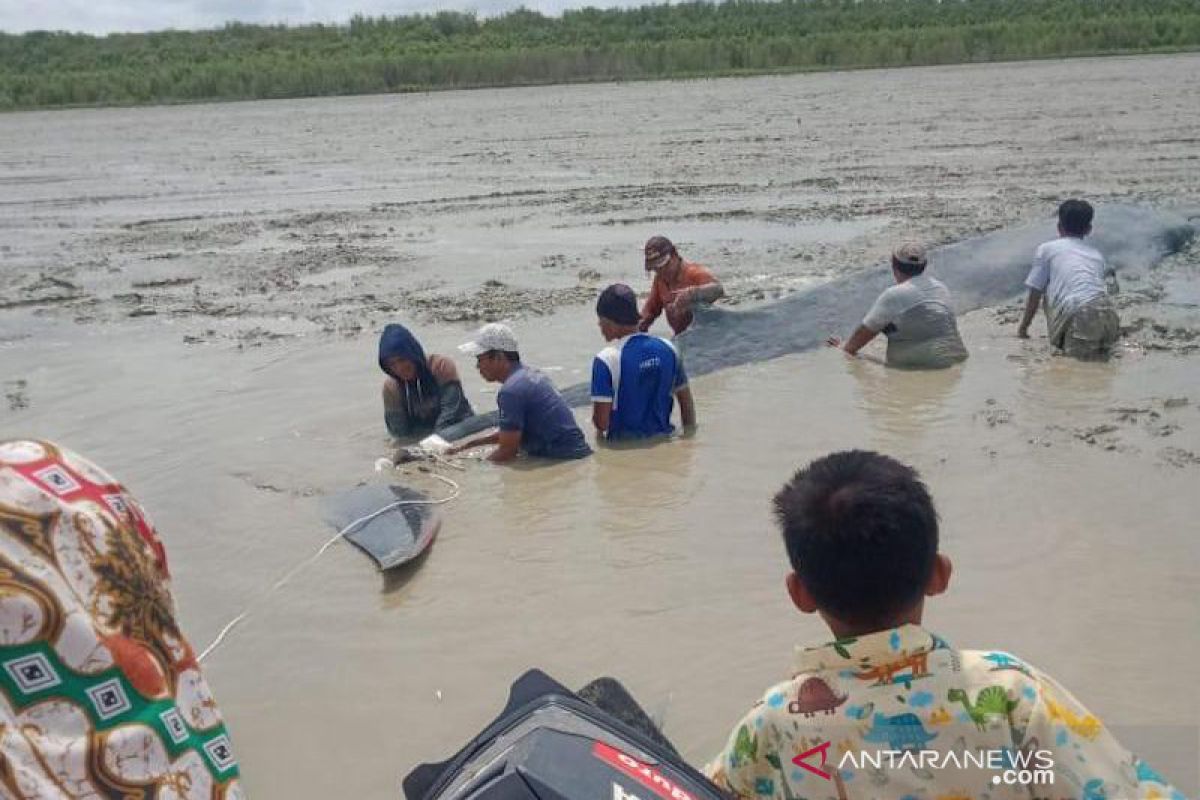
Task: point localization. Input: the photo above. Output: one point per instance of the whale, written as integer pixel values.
(980, 272)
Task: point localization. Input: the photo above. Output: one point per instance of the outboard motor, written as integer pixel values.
(550, 744)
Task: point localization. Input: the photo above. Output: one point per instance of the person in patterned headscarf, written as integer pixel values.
(102, 693)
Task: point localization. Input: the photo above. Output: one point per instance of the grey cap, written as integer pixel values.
(493, 336)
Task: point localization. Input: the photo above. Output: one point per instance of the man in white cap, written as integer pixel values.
(533, 415)
(916, 315)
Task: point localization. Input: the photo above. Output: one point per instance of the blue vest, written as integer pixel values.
(639, 375)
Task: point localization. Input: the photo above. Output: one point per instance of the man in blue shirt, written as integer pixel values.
(533, 415)
(636, 379)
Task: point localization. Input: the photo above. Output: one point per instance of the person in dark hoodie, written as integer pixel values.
(421, 394)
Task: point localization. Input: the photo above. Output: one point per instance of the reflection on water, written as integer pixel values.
(1067, 386)
(905, 404)
(663, 480)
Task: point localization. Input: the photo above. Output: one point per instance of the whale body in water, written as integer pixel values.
(981, 271)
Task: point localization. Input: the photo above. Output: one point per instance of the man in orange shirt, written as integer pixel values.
(678, 286)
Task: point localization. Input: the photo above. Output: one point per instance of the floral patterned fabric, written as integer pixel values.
(100, 693)
(901, 714)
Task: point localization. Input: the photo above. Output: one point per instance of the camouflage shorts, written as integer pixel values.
(1090, 332)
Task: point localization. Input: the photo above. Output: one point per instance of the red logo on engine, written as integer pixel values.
(644, 774)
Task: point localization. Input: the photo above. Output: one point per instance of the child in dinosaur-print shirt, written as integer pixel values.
(889, 709)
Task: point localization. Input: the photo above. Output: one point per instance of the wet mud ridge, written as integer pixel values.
(330, 273)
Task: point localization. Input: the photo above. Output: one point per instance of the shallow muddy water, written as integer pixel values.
(221, 361)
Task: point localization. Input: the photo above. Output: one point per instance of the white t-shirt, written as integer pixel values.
(1070, 272)
(917, 309)
(917, 316)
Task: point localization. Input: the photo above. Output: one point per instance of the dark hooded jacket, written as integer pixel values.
(427, 403)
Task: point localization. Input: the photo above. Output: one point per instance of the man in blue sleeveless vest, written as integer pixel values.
(638, 377)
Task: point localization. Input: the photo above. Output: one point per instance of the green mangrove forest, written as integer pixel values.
(452, 50)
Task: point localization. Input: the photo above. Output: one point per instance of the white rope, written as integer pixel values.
(233, 623)
(447, 463)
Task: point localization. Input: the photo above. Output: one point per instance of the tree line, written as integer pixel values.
(458, 50)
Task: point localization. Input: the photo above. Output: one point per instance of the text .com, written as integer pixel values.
(1011, 767)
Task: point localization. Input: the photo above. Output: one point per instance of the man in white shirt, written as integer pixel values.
(916, 315)
(1067, 277)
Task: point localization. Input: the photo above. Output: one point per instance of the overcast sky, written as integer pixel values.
(108, 16)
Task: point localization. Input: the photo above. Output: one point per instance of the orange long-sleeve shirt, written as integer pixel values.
(663, 294)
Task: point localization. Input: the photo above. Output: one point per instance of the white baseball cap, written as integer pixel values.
(493, 336)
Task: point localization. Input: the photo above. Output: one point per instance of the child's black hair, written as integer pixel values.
(861, 532)
(1075, 217)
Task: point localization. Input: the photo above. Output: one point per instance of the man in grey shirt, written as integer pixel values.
(533, 415)
(916, 315)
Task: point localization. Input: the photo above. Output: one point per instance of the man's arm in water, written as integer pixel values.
(508, 444)
(861, 337)
(687, 407)
(479, 441)
(602, 395)
(1031, 306)
(1036, 282)
(601, 415)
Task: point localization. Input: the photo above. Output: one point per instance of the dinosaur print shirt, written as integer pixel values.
(900, 714)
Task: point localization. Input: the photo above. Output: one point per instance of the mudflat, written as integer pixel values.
(190, 296)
